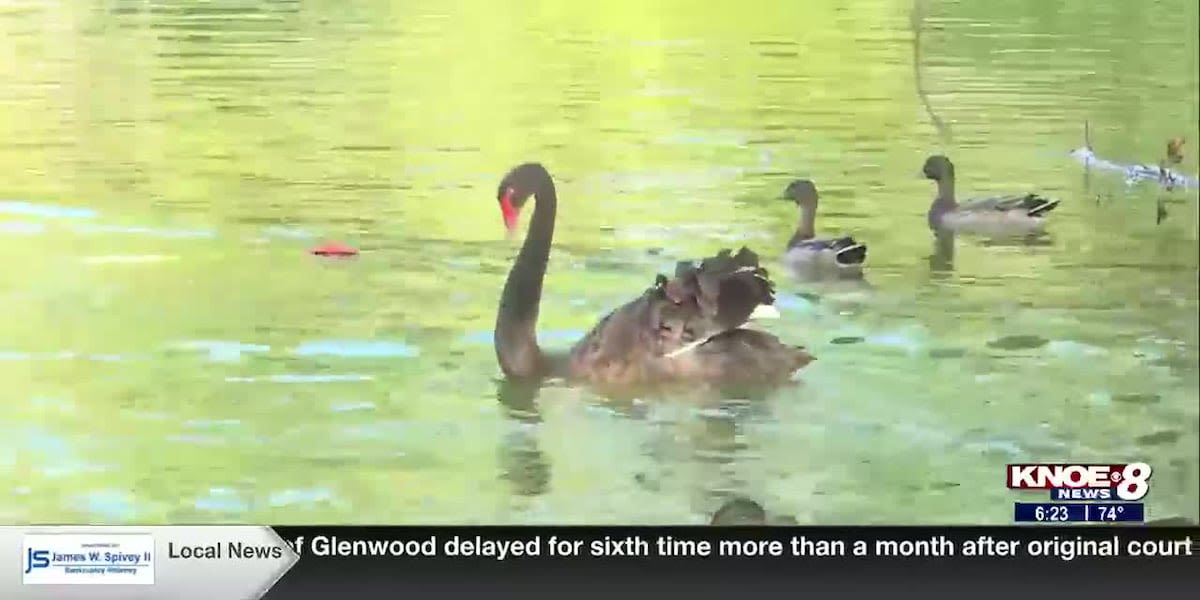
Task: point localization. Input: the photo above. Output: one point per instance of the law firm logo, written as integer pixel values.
(88, 559)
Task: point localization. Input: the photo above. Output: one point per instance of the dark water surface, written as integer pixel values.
(169, 351)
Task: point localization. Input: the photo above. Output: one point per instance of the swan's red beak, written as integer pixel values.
(508, 211)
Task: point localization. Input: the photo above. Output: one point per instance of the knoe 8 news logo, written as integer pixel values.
(1130, 482)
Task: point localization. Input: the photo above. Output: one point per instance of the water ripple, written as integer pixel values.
(484, 338)
(356, 349)
(146, 231)
(22, 228)
(352, 407)
(290, 233)
(221, 500)
(220, 350)
(17, 355)
(50, 211)
(109, 505)
(302, 378)
(292, 497)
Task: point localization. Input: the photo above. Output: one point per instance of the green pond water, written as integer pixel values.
(170, 352)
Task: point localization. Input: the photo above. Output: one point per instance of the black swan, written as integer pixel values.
(995, 215)
(687, 329)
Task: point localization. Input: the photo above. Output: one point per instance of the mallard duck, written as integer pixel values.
(1166, 178)
(1175, 149)
(739, 511)
(744, 511)
(815, 257)
(996, 215)
(1174, 157)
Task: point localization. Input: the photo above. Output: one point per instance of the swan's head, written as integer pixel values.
(938, 168)
(803, 192)
(516, 188)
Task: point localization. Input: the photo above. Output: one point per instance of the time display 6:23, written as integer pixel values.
(1052, 513)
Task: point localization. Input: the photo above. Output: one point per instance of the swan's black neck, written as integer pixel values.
(944, 202)
(516, 321)
(806, 229)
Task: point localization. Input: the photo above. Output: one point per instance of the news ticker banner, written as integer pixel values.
(103, 562)
(246, 562)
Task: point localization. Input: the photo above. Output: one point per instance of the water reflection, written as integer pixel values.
(718, 448)
(1033, 240)
(699, 439)
(692, 437)
(522, 463)
(941, 260)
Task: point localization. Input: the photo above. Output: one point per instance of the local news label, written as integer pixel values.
(87, 559)
(1050, 512)
(1129, 482)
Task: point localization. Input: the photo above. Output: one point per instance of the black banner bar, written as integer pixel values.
(369, 562)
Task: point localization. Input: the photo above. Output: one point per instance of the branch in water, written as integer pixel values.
(917, 17)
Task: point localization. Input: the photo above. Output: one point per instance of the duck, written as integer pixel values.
(696, 327)
(739, 510)
(996, 215)
(1173, 158)
(1175, 149)
(813, 257)
(742, 511)
(1166, 178)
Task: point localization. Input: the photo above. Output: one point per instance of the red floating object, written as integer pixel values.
(334, 249)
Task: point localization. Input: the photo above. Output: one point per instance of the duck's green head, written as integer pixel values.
(803, 192)
(938, 168)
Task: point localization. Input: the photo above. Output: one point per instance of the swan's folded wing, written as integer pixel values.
(623, 335)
